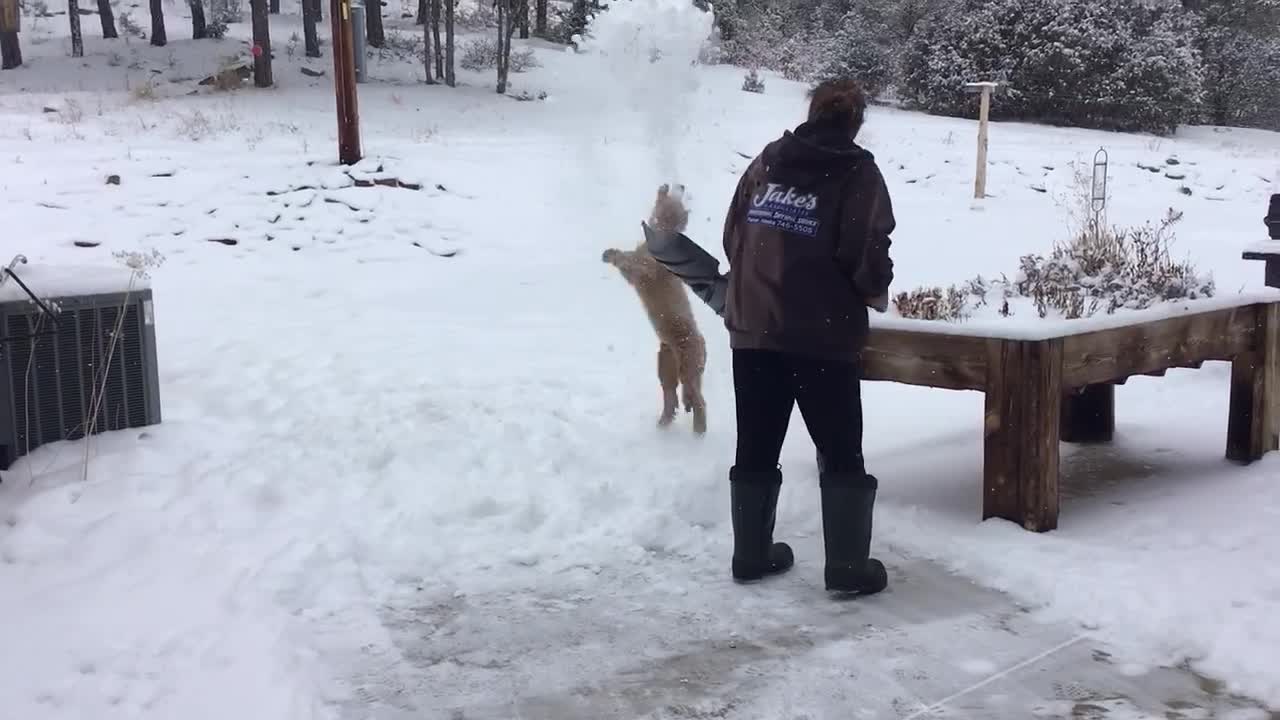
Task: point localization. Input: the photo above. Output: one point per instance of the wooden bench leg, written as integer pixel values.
(1254, 417)
(1089, 414)
(1023, 415)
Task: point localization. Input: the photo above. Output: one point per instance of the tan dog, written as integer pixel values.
(682, 352)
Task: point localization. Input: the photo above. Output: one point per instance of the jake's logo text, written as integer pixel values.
(774, 195)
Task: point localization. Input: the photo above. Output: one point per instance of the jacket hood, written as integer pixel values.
(813, 152)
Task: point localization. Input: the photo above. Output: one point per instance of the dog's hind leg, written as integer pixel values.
(669, 376)
(693, 360)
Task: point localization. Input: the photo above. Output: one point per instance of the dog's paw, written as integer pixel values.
(666, 419)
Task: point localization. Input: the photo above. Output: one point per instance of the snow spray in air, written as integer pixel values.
(650, 51)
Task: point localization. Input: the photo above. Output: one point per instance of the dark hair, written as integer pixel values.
(839, 101)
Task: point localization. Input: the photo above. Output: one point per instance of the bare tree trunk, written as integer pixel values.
(158, 38)
(422, 12)
(374, 33)
(435, 30)
(428, 54)
(506, 28)
(540, 18)
(199, 29)
(10, 51)
(523, 16)
(310, 16)
(77, 39)
(108, 18)
(262, 43)
(275, 7)
(449, 78)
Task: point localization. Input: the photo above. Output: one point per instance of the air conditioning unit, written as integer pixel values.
(56, 330)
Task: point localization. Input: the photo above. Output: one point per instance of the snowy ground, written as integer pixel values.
(409, 465)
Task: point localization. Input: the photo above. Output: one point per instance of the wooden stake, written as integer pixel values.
(344, 81)
(984, 111)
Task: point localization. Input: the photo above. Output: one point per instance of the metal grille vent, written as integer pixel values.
(52, 377)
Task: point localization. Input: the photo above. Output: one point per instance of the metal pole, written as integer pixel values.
(344, 80)
(358, 36)
(1099, 195)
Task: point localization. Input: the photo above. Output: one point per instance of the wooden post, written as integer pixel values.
(1253, 422)
(1089, 414)
(344, 81)
(1023, 412)
(10, 48)
(984, 89)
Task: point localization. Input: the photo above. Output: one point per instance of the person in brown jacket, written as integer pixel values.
(807, 240)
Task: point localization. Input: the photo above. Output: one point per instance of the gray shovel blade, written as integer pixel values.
(685, 259)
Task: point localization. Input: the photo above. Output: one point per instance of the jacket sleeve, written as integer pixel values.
(867, 223)
(687, 260)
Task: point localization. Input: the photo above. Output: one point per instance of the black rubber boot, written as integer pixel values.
(754, 498)
(847, 501)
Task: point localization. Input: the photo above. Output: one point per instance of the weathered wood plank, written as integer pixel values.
(1089, 414)
(952, 362)
(1252, 421)
(1023, 413)
(1270, 347)
(1182, 341)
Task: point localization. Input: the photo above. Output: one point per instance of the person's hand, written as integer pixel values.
(879, 304)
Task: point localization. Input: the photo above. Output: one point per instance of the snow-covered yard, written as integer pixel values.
(408, 465)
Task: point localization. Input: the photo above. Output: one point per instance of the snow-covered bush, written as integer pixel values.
(953, 304)
(1111, 269)
(227, 11)
(862, 48)
(476, 16)
(753, 83)
(400, 45)
(810, 40)
(482, 54)
(1242, 78)
(1117, 65)
(217, 29)
(1097, 271)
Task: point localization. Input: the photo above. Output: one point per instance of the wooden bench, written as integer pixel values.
(1044, 389)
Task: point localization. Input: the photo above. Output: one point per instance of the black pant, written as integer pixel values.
(768, 384)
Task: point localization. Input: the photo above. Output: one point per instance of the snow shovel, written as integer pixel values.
(685, 259)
